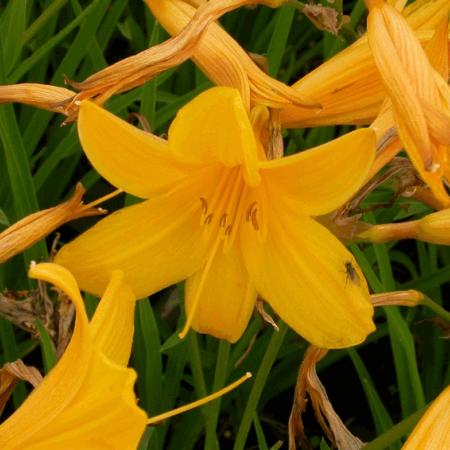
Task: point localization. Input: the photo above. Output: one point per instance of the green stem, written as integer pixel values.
(213, 409)
(438, 309)
(258, 386)
(197, 369)
(396, 432)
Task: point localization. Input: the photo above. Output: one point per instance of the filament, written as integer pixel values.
(201, 402)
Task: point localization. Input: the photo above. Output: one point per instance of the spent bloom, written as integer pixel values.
(222, 59)
(228, 220)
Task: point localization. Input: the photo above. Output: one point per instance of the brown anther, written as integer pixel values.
(254, 219)
(223, 220)
(208, 219)
(228, 230)
(204, 205)
(248, 214)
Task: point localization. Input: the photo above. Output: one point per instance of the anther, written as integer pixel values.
(208, 219)
(249, 213)
(228, 230)
(254, 219)
(204, 205)
(223, 220)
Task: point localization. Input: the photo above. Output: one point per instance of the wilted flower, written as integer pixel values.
(36, 226)
(223, 60)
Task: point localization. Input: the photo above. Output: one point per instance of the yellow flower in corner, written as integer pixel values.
(87, 399)
(226, 219)
(433, 430)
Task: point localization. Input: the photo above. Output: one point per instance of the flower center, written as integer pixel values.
(222, 213)
(225, 208)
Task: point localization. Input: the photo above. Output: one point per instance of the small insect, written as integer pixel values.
(351, 274)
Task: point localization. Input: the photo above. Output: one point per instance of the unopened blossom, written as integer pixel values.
(228, 220)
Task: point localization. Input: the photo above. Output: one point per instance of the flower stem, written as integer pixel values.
(258, 386)
(438, 309)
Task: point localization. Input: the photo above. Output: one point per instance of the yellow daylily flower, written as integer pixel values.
(433, 430)
(87, 399)
(419, 96)
(226, 219)
(223, 60)
(348, 85)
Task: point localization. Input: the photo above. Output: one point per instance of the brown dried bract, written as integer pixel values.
(308, 384)
(323, 17)
(13, 372)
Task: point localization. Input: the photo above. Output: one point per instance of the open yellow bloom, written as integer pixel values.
(420, 97)
(228, 220)
(87, 399)
(433, 430)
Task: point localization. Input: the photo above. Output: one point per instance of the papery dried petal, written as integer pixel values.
(32, 228)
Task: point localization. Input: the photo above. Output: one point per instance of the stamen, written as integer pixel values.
(228, 230)
(254, 219)
(223, 220)
(249, 212)
(199, 290)
(208, 219)
(197, 403)
(204, 205)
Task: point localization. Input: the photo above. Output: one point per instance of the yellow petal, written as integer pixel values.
(103, 415)
(53, 395)
(310, 279)
(347, 86)
(433, 430)
(321, 179)
(215, 127)
(112, 326)
(129, 158)
(400, 81)
(155, 243)
(226, 297)
(426, 14)
(437, 48)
